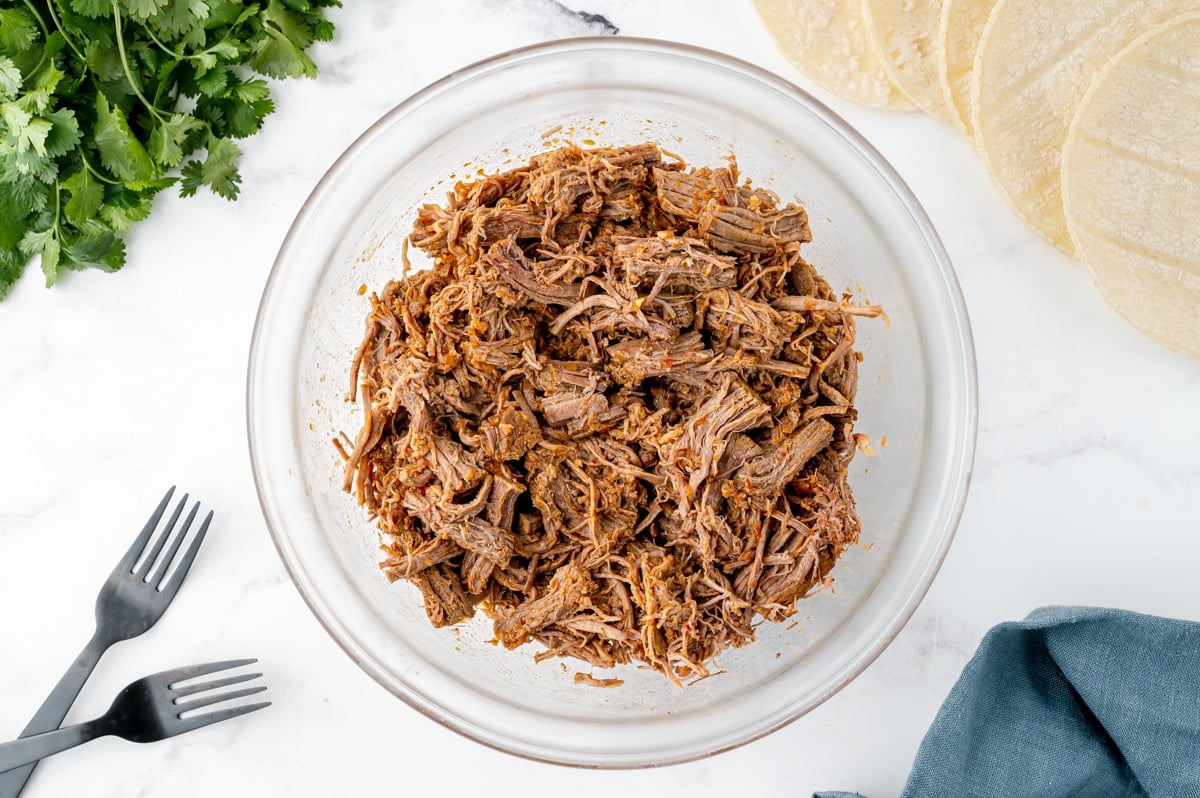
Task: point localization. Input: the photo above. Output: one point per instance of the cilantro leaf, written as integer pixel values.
(42, 85)
(123, 207)
(281, 54)
(17, 30)
(120, 151)
(192, 178)
(64, 133)
(96, 248)
(213, 82)
(23, 146)
(34, 134)
(87, 195)
(178, 17)
(245, 118)
(239, 111)
(20, 196)
(225, 49)
(103, 60)
(322, 30)
(12, 263)
(168, 137)
(14, 117)
(92, 8)
(218, 170)
(10, 78)
(44, 243)
(251, 91)
(29, 162)
(15, 210)
(142, 9)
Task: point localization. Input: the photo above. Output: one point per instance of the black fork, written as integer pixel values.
(130, 602)
(149, 710)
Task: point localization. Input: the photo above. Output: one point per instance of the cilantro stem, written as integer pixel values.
(87, 165)
(45, 33)
(70, 42)
(164, 48)
(125, 66)
(183, 56)
(58, 236)
(38, 17)
(57, 209)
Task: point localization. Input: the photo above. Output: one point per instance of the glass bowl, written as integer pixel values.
(870, 237)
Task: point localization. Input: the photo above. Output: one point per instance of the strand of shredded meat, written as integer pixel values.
(617, 412)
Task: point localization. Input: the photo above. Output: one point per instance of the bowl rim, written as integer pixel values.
(960, 467)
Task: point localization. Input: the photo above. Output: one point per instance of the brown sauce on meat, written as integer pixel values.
(617, 413)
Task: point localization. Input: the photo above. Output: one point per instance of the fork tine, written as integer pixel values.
(209, 700)
(200, 721)
(161, 570)
(160, 541)
(183, 674)
(139, 543)
(170, 587)
(183, 692)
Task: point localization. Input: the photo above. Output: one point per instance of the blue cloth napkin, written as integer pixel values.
(1072, 701)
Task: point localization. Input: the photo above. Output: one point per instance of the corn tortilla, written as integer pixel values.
(959, 31)
(829, 42)
(1035, 61)
(1131, 182)
(904, 33)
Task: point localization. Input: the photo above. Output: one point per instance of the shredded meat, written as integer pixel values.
(593, 681)
(617, 413)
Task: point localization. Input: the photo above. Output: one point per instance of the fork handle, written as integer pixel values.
(50, 716)
(28, 750)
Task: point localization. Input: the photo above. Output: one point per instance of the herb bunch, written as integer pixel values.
(105, 103)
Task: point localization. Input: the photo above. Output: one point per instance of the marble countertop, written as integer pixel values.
(1086, 486)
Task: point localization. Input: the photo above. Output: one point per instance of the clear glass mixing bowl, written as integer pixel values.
(870, 237)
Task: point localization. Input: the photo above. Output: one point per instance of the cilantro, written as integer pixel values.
(86, 197)
(218, 170)
(119, 149)
(17, 29)
(44, 243)
(143, 9)
(179, 16)
(64, 134)
(10, 78)
(281, 53)
(105, 103)
(169, 137)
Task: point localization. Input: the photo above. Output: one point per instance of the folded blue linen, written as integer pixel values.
(1072, 701)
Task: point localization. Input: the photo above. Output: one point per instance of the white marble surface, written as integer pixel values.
(1086, 487)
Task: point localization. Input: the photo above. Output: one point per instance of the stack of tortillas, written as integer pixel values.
(1087, 113)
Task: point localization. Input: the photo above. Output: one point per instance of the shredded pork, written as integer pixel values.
(617, 413)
